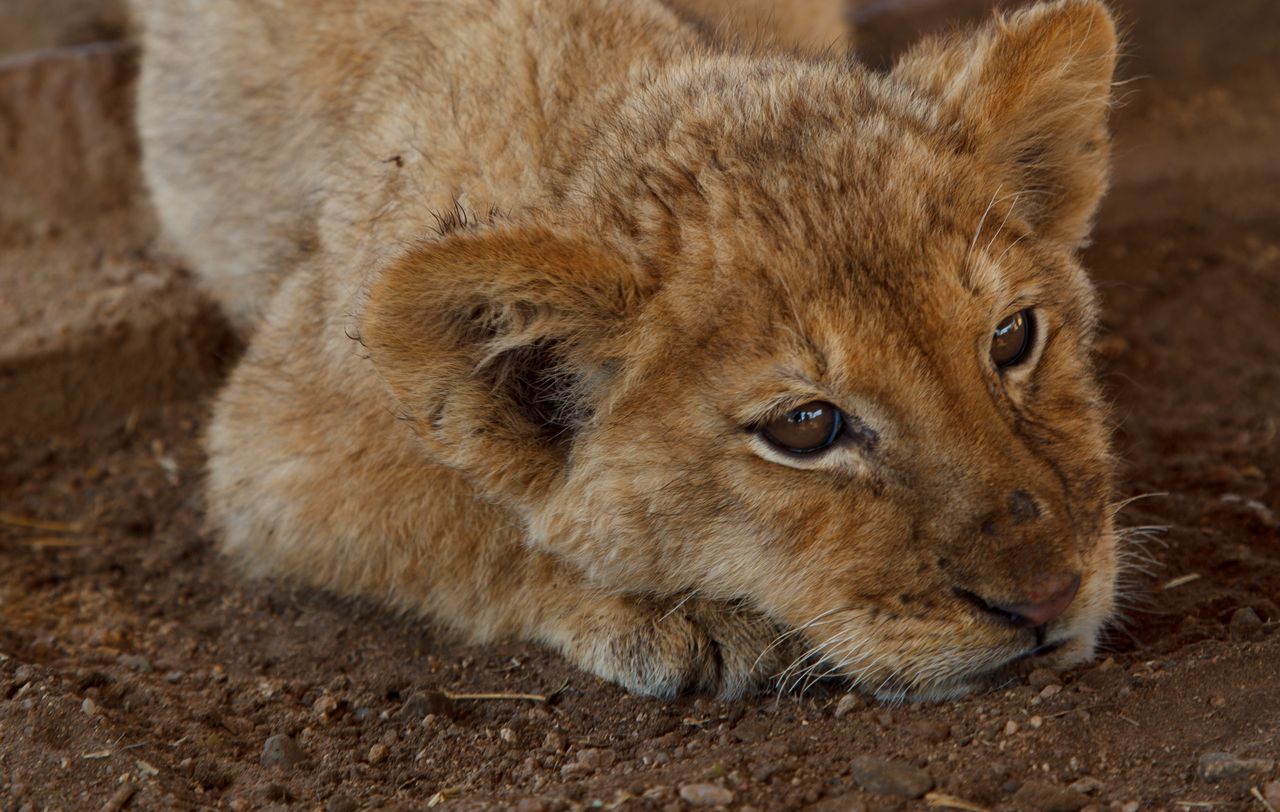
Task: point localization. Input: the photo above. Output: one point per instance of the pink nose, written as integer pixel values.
(1048, 597)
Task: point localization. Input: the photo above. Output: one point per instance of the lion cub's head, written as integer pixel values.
(807, 337)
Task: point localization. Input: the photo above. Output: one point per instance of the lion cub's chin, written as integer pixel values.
(1055, 655)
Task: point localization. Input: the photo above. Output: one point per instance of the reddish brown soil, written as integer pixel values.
(137, 669)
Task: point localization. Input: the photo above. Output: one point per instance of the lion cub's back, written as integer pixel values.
(239, 107)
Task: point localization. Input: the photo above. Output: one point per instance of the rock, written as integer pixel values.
(1245, 625)
(930, 731)
(597, 758)
(378, 753)
(282, 751)
(1086, 786)
(553, 742)
(848, 704)
(753, 730)
(340, 803)
(1217, 767)
(884, 777)
(89, 707)
(1042, 678)
(326, 707)
(508, 735)
(1038, 796)
(417, 706)
(706, 795)
(1272, 793)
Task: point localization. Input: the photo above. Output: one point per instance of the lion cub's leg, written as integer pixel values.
(312, 477)
(665, 649)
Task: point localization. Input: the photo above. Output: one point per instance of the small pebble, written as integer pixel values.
(1216, 767)
(508, 735)
(1042, 678)
(89, 707)
(848, 704)
(1245, 625)
(1039, 796)
(326, 707)
(1086, 786)
(884, 777)
(1010, 727)
(1272, 793)
(1050, 690)
(378, 753)
(930, 731)
(419, 705)
(597, 758)
(706, 795)
(757, 730)
(282, 751)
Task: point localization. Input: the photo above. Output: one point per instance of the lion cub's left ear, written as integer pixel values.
(498, 343)
(1030, 94)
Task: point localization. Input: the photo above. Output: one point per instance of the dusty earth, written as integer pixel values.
(137, 670)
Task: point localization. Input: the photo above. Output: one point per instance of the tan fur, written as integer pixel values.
(543, 266)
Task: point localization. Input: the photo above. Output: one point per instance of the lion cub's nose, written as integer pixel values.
(1046, 600)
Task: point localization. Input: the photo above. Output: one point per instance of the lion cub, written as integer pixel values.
(697, 366)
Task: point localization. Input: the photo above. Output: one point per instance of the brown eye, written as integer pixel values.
(1012, 339)
(812, 427)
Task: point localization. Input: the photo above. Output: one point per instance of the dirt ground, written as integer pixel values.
(138, 670)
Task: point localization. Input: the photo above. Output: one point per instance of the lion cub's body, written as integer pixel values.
(477, 245)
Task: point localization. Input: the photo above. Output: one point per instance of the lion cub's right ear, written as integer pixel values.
(1029, 94)
(498, 342)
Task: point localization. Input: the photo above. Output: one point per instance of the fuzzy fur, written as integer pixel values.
(522, 277)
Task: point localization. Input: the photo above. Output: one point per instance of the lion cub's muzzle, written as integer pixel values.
(1024, 571)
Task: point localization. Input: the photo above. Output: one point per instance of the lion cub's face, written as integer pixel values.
(813, 340)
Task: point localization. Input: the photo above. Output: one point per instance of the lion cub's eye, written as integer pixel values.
(812, 427)
(1012, 340)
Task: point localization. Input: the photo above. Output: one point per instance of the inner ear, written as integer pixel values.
(497, 342)
(544, 388)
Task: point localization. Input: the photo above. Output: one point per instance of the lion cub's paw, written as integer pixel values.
(691, 646)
